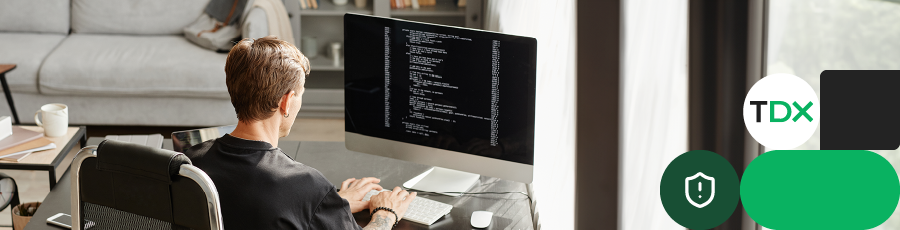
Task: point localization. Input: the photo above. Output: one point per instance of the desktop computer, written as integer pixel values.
(459, 99)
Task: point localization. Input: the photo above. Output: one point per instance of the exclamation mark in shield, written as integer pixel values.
(700, 188)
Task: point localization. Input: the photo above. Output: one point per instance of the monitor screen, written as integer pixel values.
(451, 88)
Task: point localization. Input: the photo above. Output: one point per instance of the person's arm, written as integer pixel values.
(333, 212)
(397, 200)
(381, 220)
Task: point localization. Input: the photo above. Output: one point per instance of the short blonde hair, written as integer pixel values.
(258, 72)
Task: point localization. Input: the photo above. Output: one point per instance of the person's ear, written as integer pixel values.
(286, 102)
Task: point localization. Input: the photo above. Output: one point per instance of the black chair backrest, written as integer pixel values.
(129, 185)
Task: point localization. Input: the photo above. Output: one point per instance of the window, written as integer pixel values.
(806, 37)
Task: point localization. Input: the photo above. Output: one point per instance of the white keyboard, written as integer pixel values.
(421, 210)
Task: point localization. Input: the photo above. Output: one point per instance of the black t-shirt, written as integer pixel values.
(262, 188)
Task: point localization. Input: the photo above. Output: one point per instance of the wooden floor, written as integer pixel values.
(33, 184)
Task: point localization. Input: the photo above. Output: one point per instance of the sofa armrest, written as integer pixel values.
(256, 25)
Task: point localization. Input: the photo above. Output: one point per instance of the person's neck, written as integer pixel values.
(264, 130)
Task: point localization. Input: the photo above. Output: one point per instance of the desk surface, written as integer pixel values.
(511, 211)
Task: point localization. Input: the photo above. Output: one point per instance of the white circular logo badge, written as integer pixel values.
(781, 111)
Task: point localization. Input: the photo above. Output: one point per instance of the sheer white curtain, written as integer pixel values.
(654, 107)
(553, 25)
(807, 37)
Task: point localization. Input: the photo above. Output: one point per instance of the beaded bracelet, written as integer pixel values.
(396, 219)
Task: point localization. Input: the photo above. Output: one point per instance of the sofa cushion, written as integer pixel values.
(147, 17)
(44, 16)
(27, 51)
(110, 65)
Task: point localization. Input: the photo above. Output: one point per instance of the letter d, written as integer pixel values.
(772, 111)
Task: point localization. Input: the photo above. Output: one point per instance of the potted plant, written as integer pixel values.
(22, 213)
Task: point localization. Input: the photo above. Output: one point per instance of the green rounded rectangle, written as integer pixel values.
(820, 189)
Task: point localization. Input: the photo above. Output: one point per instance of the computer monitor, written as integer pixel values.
(456, 98)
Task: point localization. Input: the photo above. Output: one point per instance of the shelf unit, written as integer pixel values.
(324, 97)
(327, 8)
(325, 64)
(441, 8)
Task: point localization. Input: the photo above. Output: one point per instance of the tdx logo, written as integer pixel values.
(781, 111)
(801, 111)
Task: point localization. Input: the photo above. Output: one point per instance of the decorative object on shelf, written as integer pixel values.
(310, 47)
(340, 2)
(335, 52)
(360, 3)
(22, 214)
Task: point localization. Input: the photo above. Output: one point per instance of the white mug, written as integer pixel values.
(56, 119)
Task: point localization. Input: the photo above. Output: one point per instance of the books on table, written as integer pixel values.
(36, 143)
(17, 156)
(17, 152)
(22, 143)
(19, 136)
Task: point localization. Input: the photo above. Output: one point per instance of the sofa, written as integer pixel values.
(116, 62)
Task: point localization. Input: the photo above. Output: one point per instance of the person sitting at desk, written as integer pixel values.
(259, 186)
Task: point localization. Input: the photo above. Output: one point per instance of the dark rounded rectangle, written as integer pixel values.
(859, 110)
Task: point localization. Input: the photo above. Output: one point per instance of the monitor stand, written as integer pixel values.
(441, 180)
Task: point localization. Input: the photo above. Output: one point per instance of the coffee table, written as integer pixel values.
(50, 160)
(12, 107)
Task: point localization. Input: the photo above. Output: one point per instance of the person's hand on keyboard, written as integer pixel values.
(420, 210)
(397, 200)
(354, 190)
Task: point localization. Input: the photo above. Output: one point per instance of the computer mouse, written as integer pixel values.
(481, 219)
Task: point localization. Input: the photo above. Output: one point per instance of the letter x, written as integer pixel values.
(801, 111)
